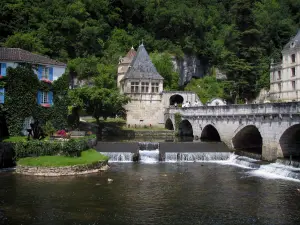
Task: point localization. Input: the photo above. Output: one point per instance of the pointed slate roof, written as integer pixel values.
(293, 43)
(141, 67)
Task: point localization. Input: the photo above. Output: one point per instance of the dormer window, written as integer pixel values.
(134, 87)
(154, 87)
(145, 87)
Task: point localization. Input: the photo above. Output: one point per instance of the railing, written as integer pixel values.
(230, 110)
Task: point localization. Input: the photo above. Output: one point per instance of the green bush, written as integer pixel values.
(34, 148)
(74, 147)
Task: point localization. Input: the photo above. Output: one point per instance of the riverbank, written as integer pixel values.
(90, 161)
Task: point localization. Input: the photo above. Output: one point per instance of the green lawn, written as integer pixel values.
(87, 157)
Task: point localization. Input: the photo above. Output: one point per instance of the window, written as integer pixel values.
(44, 97)
(134, 87)
(279, 87)
(293, 58)
(293, 85)
(293, 72)
(145, 87)
(154, 87)
(45, 73)
(273, 75)
(279, 75)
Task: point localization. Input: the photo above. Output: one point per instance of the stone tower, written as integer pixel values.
(144, 85)
(124, 64)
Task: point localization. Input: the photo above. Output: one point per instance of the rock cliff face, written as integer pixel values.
(188, 67)
(6, 155)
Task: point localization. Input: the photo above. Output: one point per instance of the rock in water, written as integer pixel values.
(110, 180)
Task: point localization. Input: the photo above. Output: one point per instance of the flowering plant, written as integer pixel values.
(61, 133)
(46, 80)
(47, 105)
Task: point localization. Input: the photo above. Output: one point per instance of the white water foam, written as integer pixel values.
(225, 158)
(119, 156)
(277, 171)
(196, 156)
(148, 156)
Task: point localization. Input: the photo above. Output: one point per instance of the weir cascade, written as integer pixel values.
(154, 152)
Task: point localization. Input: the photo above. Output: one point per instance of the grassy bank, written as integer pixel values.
(87, 157)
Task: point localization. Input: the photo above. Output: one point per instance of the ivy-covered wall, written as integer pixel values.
(21, 88)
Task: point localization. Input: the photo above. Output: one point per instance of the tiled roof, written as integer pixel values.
(142, 67)
(20, 55)
(293, 43)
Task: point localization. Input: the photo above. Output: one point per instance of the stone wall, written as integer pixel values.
(145, 109)
(62, 171)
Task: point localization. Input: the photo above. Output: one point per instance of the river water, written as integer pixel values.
(157, 193)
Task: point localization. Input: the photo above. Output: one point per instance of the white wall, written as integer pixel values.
(58, 72)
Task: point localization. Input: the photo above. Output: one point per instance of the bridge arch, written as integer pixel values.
(248, 139)
(169, 124)
(210, 133)
(176, 99)
(290, 141)
(185, 129)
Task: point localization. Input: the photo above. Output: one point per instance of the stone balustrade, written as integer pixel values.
(231, 110)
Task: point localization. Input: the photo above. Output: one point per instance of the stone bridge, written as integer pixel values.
(271, 130)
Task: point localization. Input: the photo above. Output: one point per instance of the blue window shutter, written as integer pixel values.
(51, 73)
(39, 97)
(2, 95)
(40, 72)
(50, 97)
(3, 69)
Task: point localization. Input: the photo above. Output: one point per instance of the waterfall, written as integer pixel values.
(220, 157)
(149, 152)
(147, 156)
(119, 156)
(242, 161)
(196, 156)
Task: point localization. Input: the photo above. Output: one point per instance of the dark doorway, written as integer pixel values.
(178, 99)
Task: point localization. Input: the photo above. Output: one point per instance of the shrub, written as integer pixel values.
(34, 148)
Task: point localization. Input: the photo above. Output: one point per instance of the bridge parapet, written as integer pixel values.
(232, 110)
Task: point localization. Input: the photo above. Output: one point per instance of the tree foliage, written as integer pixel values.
(238, 36)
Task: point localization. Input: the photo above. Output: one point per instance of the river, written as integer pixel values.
(162, 193)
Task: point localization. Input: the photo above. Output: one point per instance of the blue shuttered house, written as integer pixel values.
(48, 70)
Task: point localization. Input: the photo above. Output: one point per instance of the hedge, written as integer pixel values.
(34, 148)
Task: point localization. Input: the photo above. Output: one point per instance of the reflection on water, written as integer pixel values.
(162, 193)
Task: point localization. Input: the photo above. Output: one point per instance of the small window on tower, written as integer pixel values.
(279, 87)
(293, 72)
(279, 75)
(293, 85)
(293, 58)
